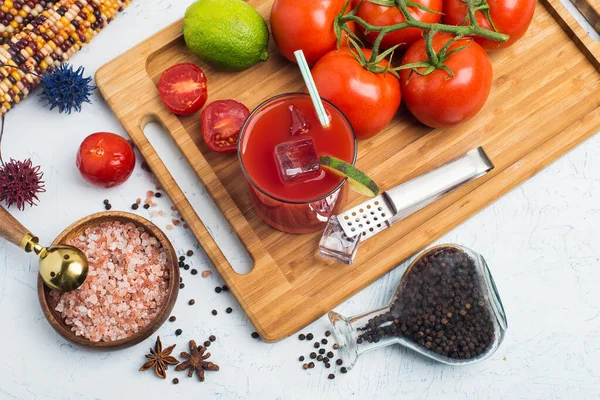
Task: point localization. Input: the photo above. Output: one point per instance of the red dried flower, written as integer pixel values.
(20, 182)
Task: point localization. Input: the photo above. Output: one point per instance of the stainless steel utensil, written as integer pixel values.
(345, 231)
(397, 203)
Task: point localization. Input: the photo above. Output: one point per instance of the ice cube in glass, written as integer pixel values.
(297, 160)
(300, 124)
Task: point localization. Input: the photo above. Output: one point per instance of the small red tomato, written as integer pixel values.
(183, 88)
(379, 15)
(369, 100)
(439, 100)
(511, 17)
(222, 122)
(105, 159)
(305, 25)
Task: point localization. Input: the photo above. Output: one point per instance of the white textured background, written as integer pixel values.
(541, 242)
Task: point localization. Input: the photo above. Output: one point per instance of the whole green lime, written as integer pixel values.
(226, 33)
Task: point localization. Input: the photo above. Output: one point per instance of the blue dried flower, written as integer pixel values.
(66, 89)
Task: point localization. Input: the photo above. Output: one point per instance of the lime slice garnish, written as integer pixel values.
(358, 180)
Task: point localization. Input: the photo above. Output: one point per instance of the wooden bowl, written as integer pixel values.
(76, 230)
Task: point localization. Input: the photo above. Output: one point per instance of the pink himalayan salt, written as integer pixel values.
(127, 283)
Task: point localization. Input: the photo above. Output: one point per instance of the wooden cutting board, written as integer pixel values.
(545, 100)
(590, 9)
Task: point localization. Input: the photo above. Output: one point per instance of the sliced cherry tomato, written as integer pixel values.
(222, 122)
(511, 17)
(105, 159)
(439, 100)
(183, 88)
(369, 100)
(305, 25)
(379, 15)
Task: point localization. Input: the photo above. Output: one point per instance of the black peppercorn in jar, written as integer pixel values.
(446, 307)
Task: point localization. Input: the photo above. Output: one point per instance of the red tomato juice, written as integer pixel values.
(293, 207)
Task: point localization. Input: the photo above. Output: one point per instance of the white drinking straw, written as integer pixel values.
(312, 88)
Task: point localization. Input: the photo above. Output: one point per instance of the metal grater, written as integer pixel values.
(379, 213)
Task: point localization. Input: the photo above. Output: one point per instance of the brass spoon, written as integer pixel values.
(63, 268)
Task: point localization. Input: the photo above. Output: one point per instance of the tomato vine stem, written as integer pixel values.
(472, 29)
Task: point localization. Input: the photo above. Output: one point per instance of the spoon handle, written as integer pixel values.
(11, 229)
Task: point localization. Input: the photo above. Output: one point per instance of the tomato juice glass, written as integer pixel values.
(297, 207)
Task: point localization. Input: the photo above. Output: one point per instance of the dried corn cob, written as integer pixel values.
(49, 40)
(16, 14)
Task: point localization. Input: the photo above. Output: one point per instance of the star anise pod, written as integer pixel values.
(159, 358)
(196, 361)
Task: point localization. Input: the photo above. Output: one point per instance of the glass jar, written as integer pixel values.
(446, 307)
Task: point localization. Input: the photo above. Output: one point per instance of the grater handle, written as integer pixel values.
(423, 190)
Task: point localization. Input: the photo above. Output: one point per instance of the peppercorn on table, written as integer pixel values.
(540, 242)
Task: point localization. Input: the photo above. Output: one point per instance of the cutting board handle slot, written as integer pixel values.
(226, 240)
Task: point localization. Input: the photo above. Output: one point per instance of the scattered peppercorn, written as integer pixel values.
(330, 354)
(173, 318)
(331, 376)
(225, 288)
(317, 345)
(324, 341)
(309, 336)
(327, 333)
(181, 285)
(326, 359)
(343, 370)
(192, 302)
(339, 361)
(319, 358)
(214, 312)
(207, 343)
(186, 267)
(327, 365)
(301, 358)
(321, 351)
(255, 335)
(107, 207)
(302, 336)
(218, 289)
(311, 365)
(181, 258)
(146, 206)
(305, 366)
(158, 195)
(194, 271)
(106, 201)
(336, 346)
(181, 264)
(212, 338)
(175, 381)
(178, 332)
(134, 207)
(313, 355)
(229, 310)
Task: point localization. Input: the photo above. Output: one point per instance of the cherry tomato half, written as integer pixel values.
(183, 88)
(511, 17)
(222, 122)
(105, 159)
